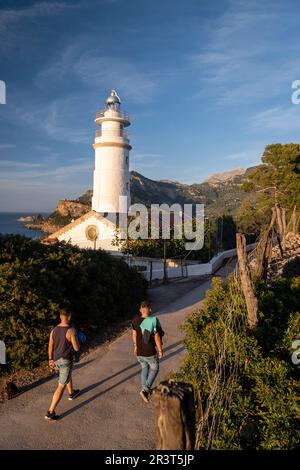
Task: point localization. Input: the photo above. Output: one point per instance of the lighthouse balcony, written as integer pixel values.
(112, 134)
(109, 115)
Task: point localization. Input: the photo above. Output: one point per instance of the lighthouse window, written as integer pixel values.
(127, 160)
(127, 186)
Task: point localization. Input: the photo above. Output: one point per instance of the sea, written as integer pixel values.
(10, 225)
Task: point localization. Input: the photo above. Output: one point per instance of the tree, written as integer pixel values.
(275, 181)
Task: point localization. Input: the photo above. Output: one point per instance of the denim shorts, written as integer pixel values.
(64, 367)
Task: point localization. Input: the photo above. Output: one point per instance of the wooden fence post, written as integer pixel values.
(267, 255)
(269, 249)
(175, 415)
(281, 224)
(263, 251)
(294, 222)
(250, 298)
(279, 242)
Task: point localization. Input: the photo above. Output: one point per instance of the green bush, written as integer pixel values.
(37, 280)
(256, 407)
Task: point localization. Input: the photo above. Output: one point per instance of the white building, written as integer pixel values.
(111, 183)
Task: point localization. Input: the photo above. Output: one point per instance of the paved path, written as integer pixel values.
(109, 413)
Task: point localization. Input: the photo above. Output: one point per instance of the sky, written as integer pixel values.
(207, 84)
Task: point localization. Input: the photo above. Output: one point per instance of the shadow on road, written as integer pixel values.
(53, 376)
(101, 382)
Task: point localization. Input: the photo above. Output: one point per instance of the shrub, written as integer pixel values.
(246, 379)
(36, 281)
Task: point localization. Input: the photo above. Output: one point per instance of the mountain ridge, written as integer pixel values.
(220, 193)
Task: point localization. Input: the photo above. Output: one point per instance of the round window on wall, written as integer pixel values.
(92, 232)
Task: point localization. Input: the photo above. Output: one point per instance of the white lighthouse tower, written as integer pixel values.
(111, 192)
(111, 174)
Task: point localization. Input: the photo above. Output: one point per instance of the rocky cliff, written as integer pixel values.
(73, 209)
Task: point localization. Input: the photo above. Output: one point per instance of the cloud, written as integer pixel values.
(236, 156)
(15, 22)
(39, 186)
(14, 19)
(17, 164)
(68, 117)
(62, 65)
(11, 16)
(20, 171)
(246, 56)
(248, 155)
(187, 174)
(142, 162)
(53, 118)
(7, 146)
(80, 62)
(279, 118)
(145, 156)
(244, 158)
(119, 73)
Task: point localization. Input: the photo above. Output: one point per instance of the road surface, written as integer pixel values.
(109, 414)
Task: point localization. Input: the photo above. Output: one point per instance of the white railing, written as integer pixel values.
(112, 133)
(121, 114)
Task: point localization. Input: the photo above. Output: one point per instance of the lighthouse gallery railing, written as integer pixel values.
(123, 115)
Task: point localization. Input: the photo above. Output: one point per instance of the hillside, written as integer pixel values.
(221, 194)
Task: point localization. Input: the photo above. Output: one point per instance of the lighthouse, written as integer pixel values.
(111, 182)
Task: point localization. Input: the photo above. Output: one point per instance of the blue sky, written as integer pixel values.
(207, 84)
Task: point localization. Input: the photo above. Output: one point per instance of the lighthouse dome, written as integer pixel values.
(113, 98)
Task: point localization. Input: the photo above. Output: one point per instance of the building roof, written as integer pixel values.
(54, 236)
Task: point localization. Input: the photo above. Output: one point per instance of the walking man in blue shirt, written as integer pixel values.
(147, 342)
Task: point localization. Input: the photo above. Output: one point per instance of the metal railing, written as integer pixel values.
(121, 114)
(112, 133)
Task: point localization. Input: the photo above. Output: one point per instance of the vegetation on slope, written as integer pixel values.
(256, 408)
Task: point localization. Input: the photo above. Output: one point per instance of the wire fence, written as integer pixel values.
(222, 373)
(223, 361)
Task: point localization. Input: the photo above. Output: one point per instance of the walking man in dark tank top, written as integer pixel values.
(62, 344)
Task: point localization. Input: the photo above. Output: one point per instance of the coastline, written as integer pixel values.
(17, 223)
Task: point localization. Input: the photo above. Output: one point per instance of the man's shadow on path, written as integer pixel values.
(97, 384)
(48, 378)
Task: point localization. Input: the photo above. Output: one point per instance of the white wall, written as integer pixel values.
(76, 235)
(174, 267)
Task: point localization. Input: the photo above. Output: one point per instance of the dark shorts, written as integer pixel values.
(64, 367)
